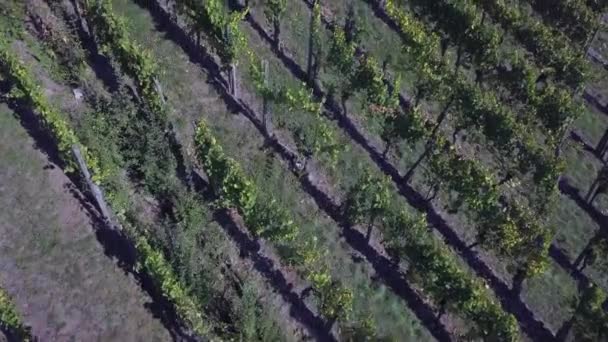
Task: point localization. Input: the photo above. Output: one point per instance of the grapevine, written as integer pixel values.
(11, 320)
(151, 260)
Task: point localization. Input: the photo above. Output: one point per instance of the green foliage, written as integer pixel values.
(519, 76)
(422, 44)
(508, 228)
(27, 89)
(550, 47)
(272, 221)
(226, 177)
(131, 139)
(364, 330)
(590, 320)
(505, 227)
(313, 138)
(254, 325)
(221, 27)
(481, 108)
(511, 232)
(340, 54)
(431, 264)
(299, 98)
(573, 17)
(143, 132)
(262, 213)
(556, 108)
(464, 23)
(12, 13)
(188, 239)
(11, 320)
(436, 271)
(368, 199)
(335, 300)
(274, 10)
(150, 260)
(369, 78)
(382, 98)
(111, 30)
(266, 218)
(474, 186)
(409, 127)
(306, 252)
(473, 300)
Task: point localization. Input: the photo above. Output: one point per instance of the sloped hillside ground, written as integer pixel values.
(51, 259)
(111, 312)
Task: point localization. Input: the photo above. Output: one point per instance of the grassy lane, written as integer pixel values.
(193, 98)
(232, 305)
(51, 259)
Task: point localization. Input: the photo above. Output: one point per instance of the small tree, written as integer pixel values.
(336, 301)
(367, 200)
(340, 58)
(595, 253)
(274, 11)
(352, 26)
(315, 41)
(398, 126)
(590, 320)
(361, 330)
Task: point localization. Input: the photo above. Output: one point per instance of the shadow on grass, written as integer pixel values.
(116, 245)
(566, 188)
(564, 330)
(384, 267)
(510, 299)
(249, 248)
(582, 141)
(100, 64)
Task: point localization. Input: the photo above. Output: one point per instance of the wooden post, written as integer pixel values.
(235, 80)
(232, 78)
(601, 146)
(230, 83)
(266, 119)
(310, 46)
(95, 190)
(159, 90)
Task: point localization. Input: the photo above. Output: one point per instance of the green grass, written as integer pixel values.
(243, 142)
(551, 295)
(11, 14)
(216, 253)
(592, 124)
(581, 167)
(50, 259)
(192, 99)
(573, 227)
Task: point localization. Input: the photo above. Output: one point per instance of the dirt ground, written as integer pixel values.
(51, 261)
